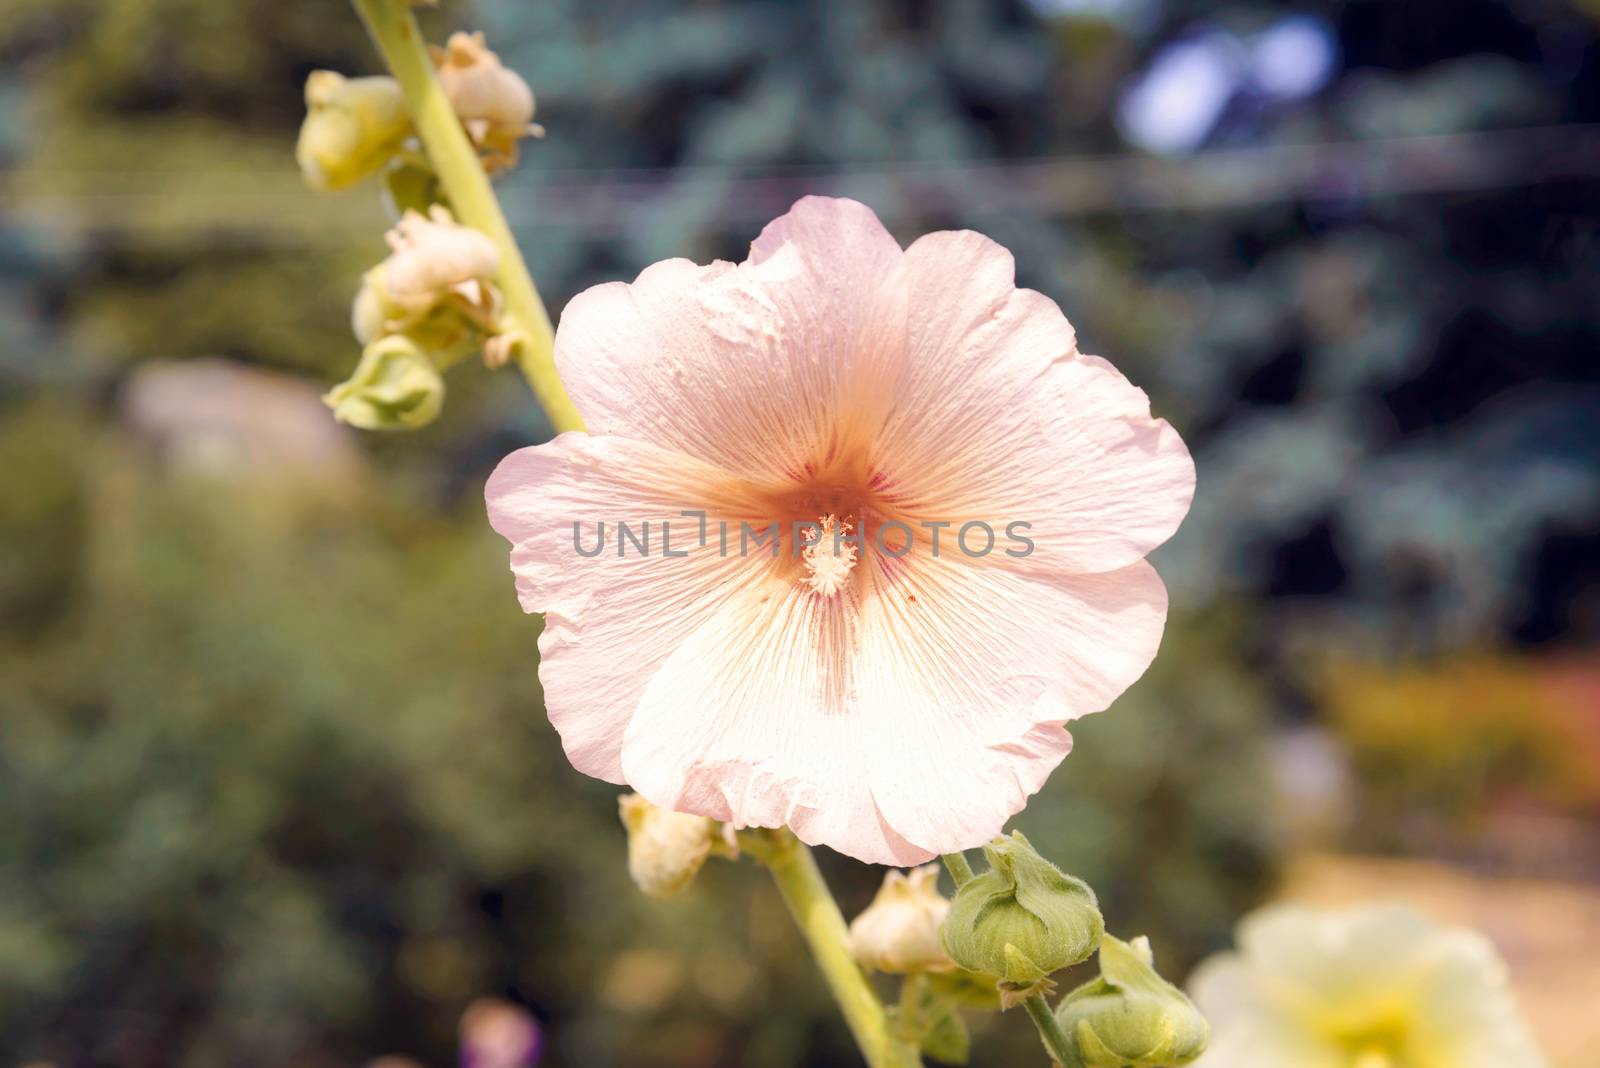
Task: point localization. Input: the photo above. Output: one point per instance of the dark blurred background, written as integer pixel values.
(275, 784)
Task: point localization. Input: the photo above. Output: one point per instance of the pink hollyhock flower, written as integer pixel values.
(880, 697)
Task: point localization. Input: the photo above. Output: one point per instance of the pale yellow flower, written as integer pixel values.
(1377, 987)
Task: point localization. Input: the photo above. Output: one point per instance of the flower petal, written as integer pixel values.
(913, 722)
(745, 723)
(1247, 1030)
(760, 367)
(613, 619)
(1000, 418)
(1467, 1011)
(970, 671)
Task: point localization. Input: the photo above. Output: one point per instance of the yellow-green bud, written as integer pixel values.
(394, 387)
(899, 931)
(1130, 1016)
(665, 848)
(445, 330)
(369, 318)
(1023, 918)
(352, 127)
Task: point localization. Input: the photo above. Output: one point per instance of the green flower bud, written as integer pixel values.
(1023, 918)
(394, 387)
(352, 127)
(1130, 1016)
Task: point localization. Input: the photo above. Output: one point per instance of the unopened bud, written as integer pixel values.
(493, 102)
(899, 931)
(1130, 1016)
(665, 848)
(1022, 919)
(369, 317)
(394, 387)
(352, 128)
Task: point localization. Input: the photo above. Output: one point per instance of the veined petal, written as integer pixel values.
(749, 721)
(761, 368)
(999, 418)
(611, 620)
(968, 673)
(869, 726)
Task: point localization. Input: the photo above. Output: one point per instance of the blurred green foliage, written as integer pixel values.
(278, 790)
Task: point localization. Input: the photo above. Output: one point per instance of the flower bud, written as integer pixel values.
(432, 256)
(665, 848)
(899, 931)
(1130, 1016)
(369, 318)
(434, 288)
(394, 387)
(1023, 918)
(493, 102)
(352, 127)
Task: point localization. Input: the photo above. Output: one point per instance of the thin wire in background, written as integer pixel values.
(274, 209)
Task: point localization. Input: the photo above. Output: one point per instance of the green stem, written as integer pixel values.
(913, 989)
(956, 864)
(1056, 1042)
(811, 904)
(455, 161)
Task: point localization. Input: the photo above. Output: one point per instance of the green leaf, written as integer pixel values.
(948, 1040)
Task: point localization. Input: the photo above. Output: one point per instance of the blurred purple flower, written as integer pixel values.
(1178, 101)
(1174, 107)
(498, 1034)
(1294, 58)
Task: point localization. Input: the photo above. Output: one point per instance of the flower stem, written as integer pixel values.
(1056, 1043)
(908, 1022)
(811, 904)
(394, 30)
(956, 864)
